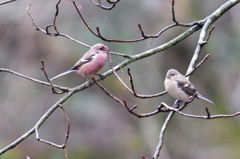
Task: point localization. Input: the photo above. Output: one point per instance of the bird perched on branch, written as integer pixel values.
(91, 62)
(180, 87)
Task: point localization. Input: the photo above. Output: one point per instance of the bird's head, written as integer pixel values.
(100, 48)
(172, 74)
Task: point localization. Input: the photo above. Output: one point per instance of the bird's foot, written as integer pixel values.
(88, 81)
(177, 103)
(100, 76)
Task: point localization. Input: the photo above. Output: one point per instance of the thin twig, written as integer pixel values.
(209, 34)
(190, 99)
(208, 113)
(45, 73)
(107, 92)
(131, 81)
(111, 65)
(55, 17)
(52, 34)
(5, 2)
(67, 132)
(144, 37)
(143, 157)
(201, 116)
(142, 96)
(198, 65)
(173, 13)
(64, 89)
(124, 104)
(144, 115)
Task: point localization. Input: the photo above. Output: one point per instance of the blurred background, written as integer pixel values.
(100, 127)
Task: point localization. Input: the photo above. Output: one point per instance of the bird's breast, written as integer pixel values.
(174, 91)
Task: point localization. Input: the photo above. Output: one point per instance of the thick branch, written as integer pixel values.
(208, 22)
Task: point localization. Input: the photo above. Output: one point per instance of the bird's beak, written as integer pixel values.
(106, 49)
(168, 76)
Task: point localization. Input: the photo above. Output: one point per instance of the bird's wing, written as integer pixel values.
(83, 61)
(187, 87)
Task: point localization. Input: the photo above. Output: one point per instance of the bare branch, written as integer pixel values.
(36, 127)
(131, 81)
(61, 34)
(107, 92)
(144, 37)
(142, 96)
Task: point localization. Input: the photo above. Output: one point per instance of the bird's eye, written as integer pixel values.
(173, 74)
(102, 48)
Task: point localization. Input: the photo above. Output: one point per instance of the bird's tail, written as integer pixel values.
(204, 98)
(62, 74)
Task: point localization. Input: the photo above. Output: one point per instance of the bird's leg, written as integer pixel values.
(176, 103)
(88, 80)
(101, 76)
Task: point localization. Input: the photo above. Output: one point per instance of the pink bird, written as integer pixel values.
(91, 62)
